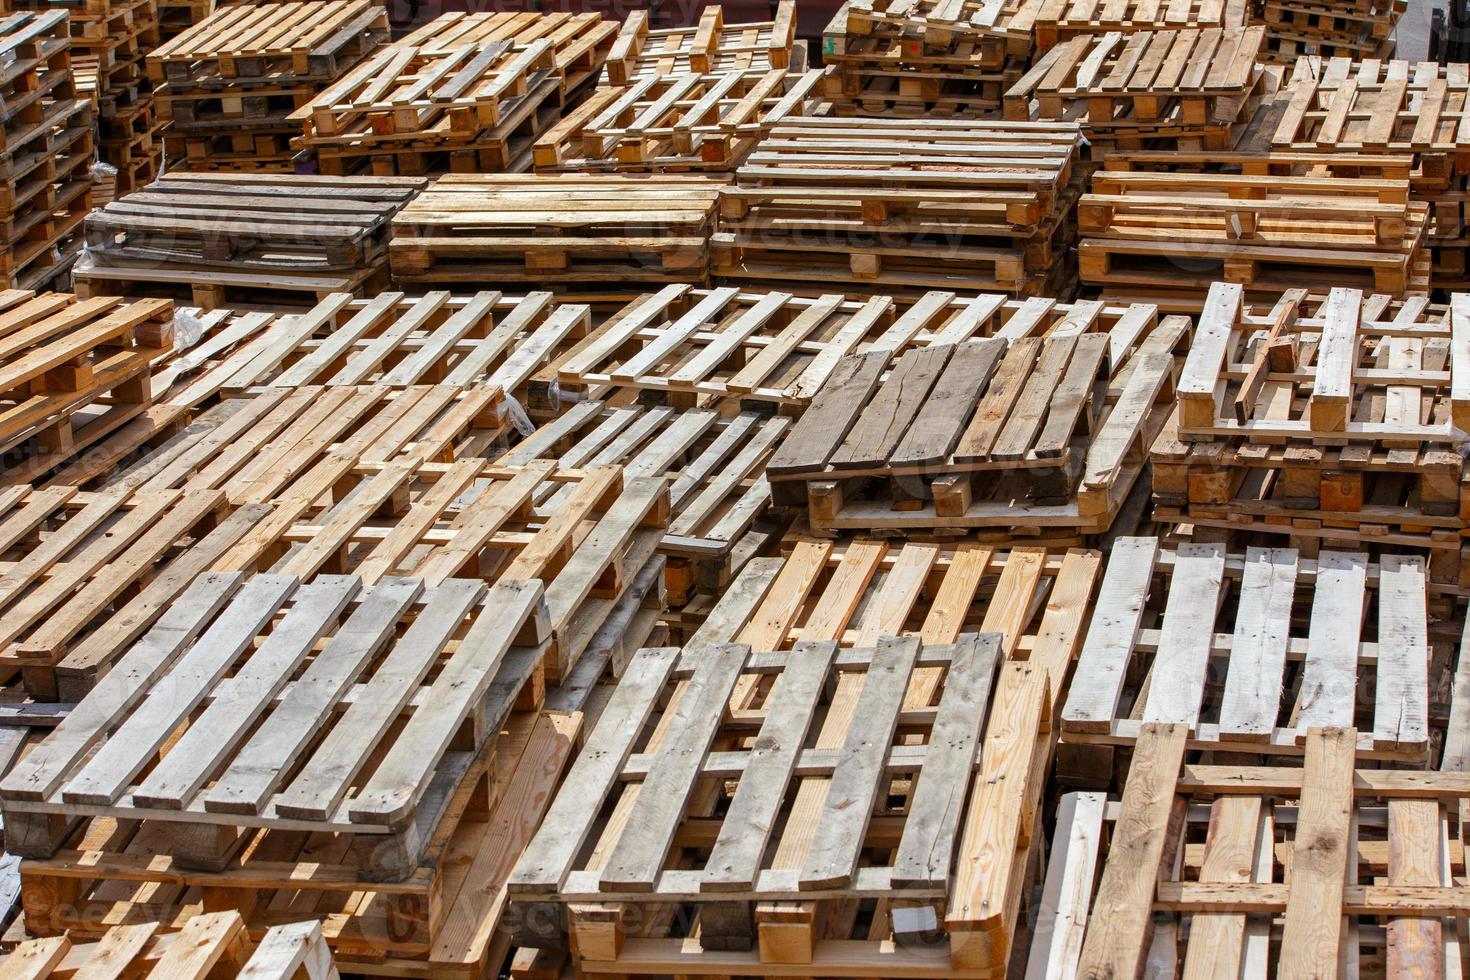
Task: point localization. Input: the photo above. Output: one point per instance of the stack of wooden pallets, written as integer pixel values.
(224, 238)
(676, 123)
(850, 854)
(1337, 429)
(1330, 28)
(1173, 233)
(230, 83)
(927, 58)
(1181, 89)
(600, 233)
(47, 140)
(711, 45)
(1338, 109)
(903, 205)
(464, 93)
(210, 945)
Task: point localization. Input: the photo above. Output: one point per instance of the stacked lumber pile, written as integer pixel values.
(1144, 232)
(1339, 108)
(230, 83)
(209, 945)
(804, 838)
(927, 58)
(1337, 429)
(46, 149)
(1041, 427)
(465, 93)
(1330, 28)
(897, 204)
(73, 370)
(1181, 89)
(220, 238)
(710, 46)
(676, 123)
(603, 231)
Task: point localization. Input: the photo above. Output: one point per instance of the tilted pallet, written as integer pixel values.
(1026, 429)
(895, 203)
(853, 598)
(1322, 869)
(73, 370)
(1188, 89)
(485, 340)
(1335, 641)
(709, 46)
(1062, 20)
(455, 96)
(1341, 428)
(610, 229)
(675, 123)
(1174, 230)
(212, 944)
(1329, 28)
(230, 83)
(220, 238)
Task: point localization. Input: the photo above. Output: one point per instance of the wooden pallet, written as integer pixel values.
(675, 123)
(1296, 426)
(599, 228)
(316, 235)
(1039, 431)
(853, 598)
(1062, 20)
(949, 204)
(214, 944)
(987, 32)
(177, 16)
(1185, 89)
(1335, 641)
(482, 340)
(1330, 29)
(1171, 230)
(1192, 861)
(711, 45)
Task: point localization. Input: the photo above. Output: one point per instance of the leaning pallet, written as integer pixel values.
(1300, 643)
(46, 149)
(1316, 870)
(315, 779)
(711, 45)
(1032, 432)
(1173, 231)
(676, 123)
(1183, 89)
(1330, 28)
(601, 232)
(465, 93)
(1062, 20)
(222, 239)
(74, 370)
(229, 84)
(813, 868)
(211, 945)
(1341, 432)
(947, 204)
(1338, 108)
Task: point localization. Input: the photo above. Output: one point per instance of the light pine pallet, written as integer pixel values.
(641, 51)
(852, 596)
(1062, 20)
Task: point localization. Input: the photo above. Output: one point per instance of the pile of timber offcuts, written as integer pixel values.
(710, 45)
(676, 123)
(1183, 89)
(1362, 29)
(215, 238)
(903, 205)
(927, 58)
(47, 141)
(1339, 429)
(230, 83)
(1173, 233)
(465, 93)
(1340, 109)
(589, 234)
